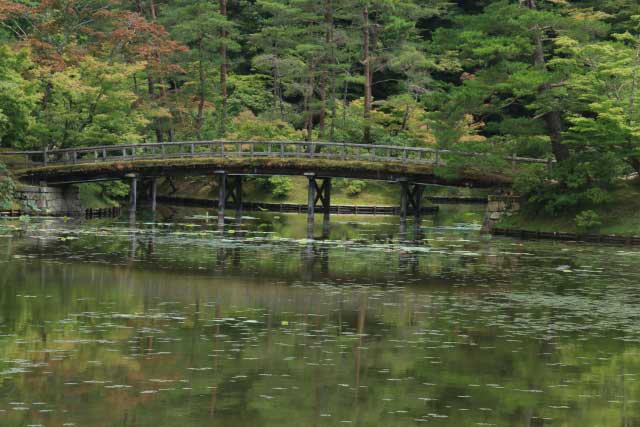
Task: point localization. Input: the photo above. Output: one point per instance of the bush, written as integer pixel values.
(114, 190)
(7, 188)
(280, 186)
(355, 187)
(588, 219)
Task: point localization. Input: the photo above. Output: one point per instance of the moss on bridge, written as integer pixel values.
(207, 165)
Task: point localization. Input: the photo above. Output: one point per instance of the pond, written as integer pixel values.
(171, 321)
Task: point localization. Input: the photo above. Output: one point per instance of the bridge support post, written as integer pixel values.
(153, 193)
(133, 191)
(417, 210)
(311, 203)
(326, 204)
(222, 195)
(318, 195)
(236, 194)
(404, 200)
(410, 197)
(416, 201)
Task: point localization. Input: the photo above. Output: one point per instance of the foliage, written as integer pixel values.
(355, 187)
(280, 186)
(18, 97)
(114, 190)
(91, 104)
(246, 126)
(588, 219)
(7, 188)
(547, 79)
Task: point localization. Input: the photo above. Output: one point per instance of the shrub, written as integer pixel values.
(113, 190)
(588, 220)
(7, 188)
(355, 187)
(280, 186)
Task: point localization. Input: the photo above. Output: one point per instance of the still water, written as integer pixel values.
(174, 322)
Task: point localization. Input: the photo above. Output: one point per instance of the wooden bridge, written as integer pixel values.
(229, 161)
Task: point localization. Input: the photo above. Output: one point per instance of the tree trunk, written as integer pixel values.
(223, 71)
(307, 105)
(152, 9)
(405, 118)
(345, 102)
(332, 73)
(202, 95)
(366, 61)
(328, 65)
(277, 89)
(553, 119)
(152, 94)
(634, 84)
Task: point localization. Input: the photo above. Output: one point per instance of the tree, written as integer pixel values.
(18, 98)
(91, 104)
(503, 67)
(606, 118)
(199, 26)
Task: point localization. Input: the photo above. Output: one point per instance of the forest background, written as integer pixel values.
(549, 79)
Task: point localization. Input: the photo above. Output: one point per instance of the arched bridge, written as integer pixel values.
(230, 160)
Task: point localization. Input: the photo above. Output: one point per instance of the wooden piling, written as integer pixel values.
(311, 199)
(222, 195)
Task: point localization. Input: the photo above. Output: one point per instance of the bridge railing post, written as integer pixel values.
(45, 156)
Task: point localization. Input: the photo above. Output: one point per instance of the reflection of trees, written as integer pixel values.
(495, 327)
(340, 351)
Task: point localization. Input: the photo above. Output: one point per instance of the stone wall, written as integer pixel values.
(497, 207)
(49, 200)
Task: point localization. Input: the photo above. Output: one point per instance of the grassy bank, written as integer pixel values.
(620, 215)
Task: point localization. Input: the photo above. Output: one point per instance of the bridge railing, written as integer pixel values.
(251, 149)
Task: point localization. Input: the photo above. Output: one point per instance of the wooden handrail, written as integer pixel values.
(363, 152)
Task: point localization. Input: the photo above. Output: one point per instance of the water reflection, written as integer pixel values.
(170, 323)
